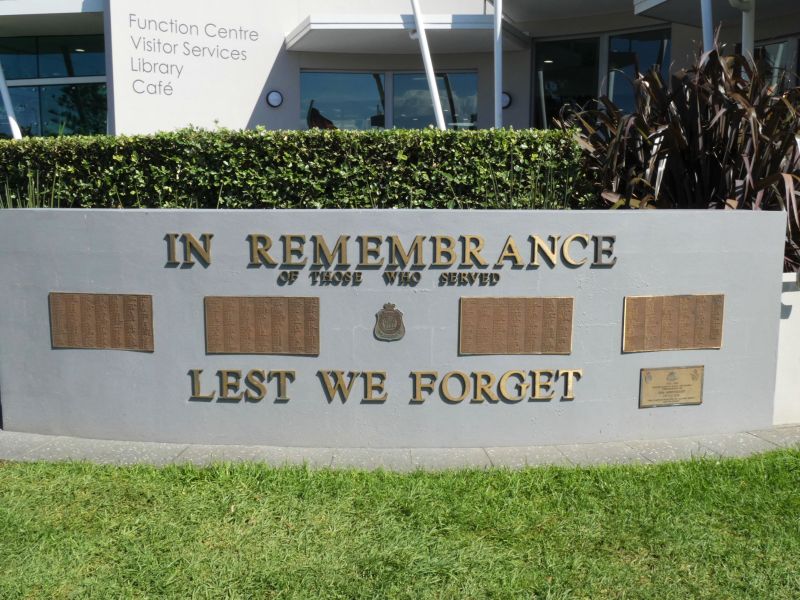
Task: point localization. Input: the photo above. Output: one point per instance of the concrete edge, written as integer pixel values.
(28, 447)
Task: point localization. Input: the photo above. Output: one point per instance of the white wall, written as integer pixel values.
(210, 92)
(787, 382)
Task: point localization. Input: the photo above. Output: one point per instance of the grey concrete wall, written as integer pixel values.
(787, 381)
(140, 396)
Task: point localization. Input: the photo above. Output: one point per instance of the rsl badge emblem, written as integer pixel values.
(389, 324)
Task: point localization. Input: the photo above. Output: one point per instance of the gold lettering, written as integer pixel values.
(321, 251)
(398, 257)
(484, 384)
(445, 389)
(601, 252)
(339, 387)
(172, 258)
(374, 382)
(565, 251)
(284, 377)
(472, 254)
(370, 248)
(542, 386)
(510, 251)
(522, 386)
(423, 386)
(293, 247)
(255, 381)
(572, 375)
(443, 245)
(201, 249)
(229, 381)
(550, 253)
(196, 393)
(259, 250)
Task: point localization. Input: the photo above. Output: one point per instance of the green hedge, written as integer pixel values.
(297, 169)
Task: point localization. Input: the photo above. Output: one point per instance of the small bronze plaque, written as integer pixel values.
(101, 321)
(262, 325)
(671, 386)
(654, 323)
(516, 326)
(389, 325)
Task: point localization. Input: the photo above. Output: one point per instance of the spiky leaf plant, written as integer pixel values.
(724, 135)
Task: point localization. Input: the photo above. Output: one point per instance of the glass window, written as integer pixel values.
(458, 93)
(566, 73)
(18, 56)
(71, 56)
(776, 60)
(26, 109)
(633, 53)
(57, 109)
(73, 109)
(331, 100)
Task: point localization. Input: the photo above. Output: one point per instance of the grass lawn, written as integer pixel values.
(701, 529)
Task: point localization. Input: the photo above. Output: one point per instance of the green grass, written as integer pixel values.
(701, 529)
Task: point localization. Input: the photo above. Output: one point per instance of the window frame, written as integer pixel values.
(603, 47)
(793, 46)
(388, 84)
(40, 82)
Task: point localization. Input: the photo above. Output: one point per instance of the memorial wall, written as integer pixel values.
(388, 328)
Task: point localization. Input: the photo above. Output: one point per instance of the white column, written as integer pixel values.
(12, 118)
(708, 25)
(749, 30)
(426, 60)
(542, 107)
(498, 63)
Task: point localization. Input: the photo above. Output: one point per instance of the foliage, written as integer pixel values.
(300, 169)
(724, 135)
(700, 529)
(34, 195)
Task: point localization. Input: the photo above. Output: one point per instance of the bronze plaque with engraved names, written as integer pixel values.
(101, 321)
(262, 325)
(671, 386)
(515, 326)
(690, 322)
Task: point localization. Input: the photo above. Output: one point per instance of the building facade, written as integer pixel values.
(139, 66)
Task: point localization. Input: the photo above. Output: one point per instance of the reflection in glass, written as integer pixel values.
(55, 109)
(26, 109)
(458, 93)
(18, 56)
(78, 109)
(631, 54)
(330, 100)
(566, 73)
(775, 61)
(71, 56)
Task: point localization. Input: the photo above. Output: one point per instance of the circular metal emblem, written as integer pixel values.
(389, 324)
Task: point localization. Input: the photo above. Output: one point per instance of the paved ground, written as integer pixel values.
(30, 447)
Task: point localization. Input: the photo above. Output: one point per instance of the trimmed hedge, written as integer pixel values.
(297, 169)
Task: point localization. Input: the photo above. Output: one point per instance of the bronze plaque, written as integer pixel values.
(101, 321)
(671, 386)
(262, 325)
(515, 326)
(654, 323)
